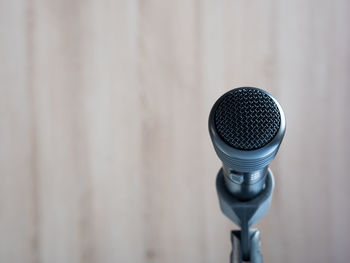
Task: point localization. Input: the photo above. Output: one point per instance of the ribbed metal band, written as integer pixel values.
(245, 165)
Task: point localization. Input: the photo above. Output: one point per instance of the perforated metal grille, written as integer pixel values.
(247, 118)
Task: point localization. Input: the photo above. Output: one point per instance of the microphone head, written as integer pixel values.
(246, 126)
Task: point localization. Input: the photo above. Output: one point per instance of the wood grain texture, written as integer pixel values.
(105, 151)
(18, 209)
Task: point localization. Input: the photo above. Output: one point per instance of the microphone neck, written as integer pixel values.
(244, 185)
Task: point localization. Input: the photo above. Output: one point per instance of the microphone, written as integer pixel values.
(246, 126)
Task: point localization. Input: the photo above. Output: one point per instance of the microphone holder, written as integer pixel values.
(246, 242)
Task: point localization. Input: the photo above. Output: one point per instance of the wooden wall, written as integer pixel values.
(104, 149)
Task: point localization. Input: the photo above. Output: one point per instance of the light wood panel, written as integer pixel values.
(105, 151)
(18, 211)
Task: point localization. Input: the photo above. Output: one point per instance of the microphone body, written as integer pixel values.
(246, 126)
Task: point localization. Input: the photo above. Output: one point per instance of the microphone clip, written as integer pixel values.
(245, 214)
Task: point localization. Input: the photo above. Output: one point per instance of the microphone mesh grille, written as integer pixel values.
(247, 118)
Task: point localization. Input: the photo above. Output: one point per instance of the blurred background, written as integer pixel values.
(105, 153)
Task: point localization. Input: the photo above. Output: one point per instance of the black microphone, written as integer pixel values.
(246, 126)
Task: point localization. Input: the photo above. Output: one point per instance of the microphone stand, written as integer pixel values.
(245, 242)
(255, 255)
